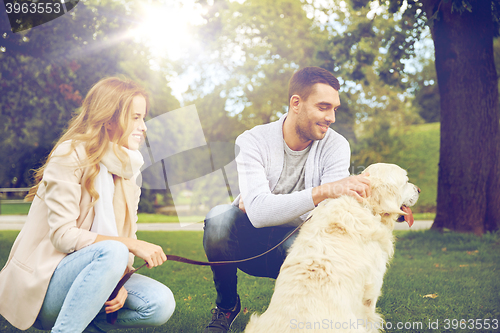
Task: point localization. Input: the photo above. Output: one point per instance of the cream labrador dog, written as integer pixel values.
(332, 277)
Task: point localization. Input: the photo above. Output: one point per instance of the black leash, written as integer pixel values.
(111, 317)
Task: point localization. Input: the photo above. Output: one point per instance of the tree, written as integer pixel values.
(44, 79)
(469, 175)
(426, 89)
(252, 48)
(46, 71)
(462, 31)
(361, 51)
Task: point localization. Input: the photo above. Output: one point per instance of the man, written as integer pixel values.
(285, 169)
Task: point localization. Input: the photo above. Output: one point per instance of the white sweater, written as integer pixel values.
(259, 159)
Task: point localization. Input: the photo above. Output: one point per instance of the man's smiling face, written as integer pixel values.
(317, 112)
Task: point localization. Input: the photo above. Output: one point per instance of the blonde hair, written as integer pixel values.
(109, 102)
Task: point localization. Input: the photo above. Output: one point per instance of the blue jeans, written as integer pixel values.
(83, 281)
(229, 235)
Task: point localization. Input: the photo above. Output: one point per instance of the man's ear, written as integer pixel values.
(294, 103)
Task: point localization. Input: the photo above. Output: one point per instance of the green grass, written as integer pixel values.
(15, 209)
(22, 209)
(424, 216)
(160, 218)
(461, 269)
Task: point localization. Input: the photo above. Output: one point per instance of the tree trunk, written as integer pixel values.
(468, 197)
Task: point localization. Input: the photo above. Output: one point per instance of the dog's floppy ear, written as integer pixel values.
(384, 198)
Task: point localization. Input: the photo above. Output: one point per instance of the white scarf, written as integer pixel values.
(104, 219)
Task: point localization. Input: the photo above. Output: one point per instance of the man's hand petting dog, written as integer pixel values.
(241, 206)
(355, 186)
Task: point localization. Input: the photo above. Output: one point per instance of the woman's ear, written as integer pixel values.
(111, 128)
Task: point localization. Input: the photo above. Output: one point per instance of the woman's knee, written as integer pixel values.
(162, 306)
(114, 253)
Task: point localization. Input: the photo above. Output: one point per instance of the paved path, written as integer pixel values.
(16, 222)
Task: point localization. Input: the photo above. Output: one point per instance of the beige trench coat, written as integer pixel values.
(58, 223)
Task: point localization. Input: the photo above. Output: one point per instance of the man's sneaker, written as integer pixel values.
(222, 319)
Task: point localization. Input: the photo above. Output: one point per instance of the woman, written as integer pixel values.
(79, 238)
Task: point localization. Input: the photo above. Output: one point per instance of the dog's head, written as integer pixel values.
(391, 193)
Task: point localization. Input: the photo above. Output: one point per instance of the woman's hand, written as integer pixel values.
(151, 253)
(118, 302)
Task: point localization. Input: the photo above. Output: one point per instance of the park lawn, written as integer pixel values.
(424, 216)
(161, 218)
(421, 159)
(461, 270)
(22, 209)
(15, 209)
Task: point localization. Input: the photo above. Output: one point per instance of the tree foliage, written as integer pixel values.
(369, 45)
(252, 49)
(46, 71)
(427, 101)
(468, 182)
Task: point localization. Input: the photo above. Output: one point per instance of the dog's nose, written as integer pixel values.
(418, 189)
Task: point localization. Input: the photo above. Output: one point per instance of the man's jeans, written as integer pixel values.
(83, 281)
(229, 235)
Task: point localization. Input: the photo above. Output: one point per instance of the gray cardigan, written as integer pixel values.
(260, 162)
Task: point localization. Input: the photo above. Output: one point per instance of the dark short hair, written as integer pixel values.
(304, 79)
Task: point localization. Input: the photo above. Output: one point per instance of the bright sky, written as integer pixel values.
(165, 27)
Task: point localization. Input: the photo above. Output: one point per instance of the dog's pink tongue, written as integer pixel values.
(408, 216)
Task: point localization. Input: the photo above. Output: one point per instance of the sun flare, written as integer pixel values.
(165, 29)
